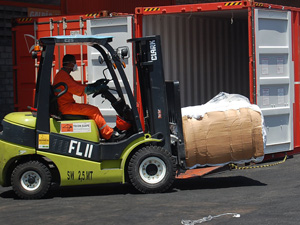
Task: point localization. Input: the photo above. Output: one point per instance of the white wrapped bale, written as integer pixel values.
(224, 130)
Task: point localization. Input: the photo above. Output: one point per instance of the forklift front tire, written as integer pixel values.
(152, 169)
(31, 180)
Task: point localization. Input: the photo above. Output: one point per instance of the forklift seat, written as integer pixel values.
(73, 117)
(53, 106)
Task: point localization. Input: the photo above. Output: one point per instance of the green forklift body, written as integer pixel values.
(76, 169)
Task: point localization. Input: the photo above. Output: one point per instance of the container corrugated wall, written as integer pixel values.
(206, 54)
(277, 2)
(83, 6)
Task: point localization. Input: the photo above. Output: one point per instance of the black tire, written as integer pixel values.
(152, 169)
(31, 180)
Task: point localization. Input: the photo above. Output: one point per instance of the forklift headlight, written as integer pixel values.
(34, 55)
(123, 52)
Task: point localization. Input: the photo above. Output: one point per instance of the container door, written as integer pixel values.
(275, 75)
(23, 67)
(121, 28)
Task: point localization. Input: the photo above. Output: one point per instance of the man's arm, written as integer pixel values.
(75, 87)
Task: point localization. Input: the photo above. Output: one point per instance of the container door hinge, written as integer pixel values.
(81, 23)
(64, 24)
(51, 25)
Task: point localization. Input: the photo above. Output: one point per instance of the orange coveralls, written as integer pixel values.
(67, 104)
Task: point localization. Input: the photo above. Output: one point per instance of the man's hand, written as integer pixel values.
(99, 86)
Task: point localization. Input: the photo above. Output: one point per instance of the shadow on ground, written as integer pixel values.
(215, 183)
(196, 183)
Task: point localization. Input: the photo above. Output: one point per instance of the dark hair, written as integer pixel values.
(67, 59)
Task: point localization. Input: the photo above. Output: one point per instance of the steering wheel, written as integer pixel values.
(119, 105)
(103, 83)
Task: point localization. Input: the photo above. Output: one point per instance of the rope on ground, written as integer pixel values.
(208, 218)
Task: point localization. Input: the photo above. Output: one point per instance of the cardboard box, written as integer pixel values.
(223, 136)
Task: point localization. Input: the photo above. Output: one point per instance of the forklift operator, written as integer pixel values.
(67, 104)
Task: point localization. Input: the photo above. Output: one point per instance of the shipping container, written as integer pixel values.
(238, 47)
(241, 47)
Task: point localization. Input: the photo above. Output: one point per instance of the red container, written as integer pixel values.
(26, 32)
(240, 47)
(23, 66)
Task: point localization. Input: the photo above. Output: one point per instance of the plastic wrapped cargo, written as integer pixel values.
(227, 129)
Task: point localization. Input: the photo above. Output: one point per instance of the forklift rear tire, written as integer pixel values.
(31, 180)
(152, 169)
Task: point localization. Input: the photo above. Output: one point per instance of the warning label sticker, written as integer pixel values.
(44, 141)
(75, 128)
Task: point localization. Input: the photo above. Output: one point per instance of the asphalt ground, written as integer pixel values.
(269, 195)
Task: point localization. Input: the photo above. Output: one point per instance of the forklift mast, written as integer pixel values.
(160, 99)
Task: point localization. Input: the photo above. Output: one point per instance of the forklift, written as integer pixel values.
(41, 147)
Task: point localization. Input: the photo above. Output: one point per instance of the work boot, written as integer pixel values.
(116, 136)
